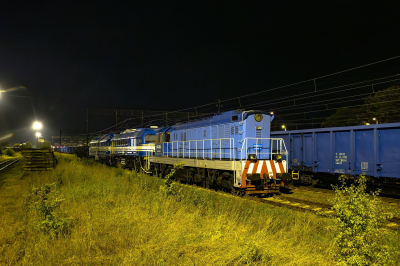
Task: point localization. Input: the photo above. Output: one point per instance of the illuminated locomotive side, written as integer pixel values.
(230, 150)
(132, 148)
(100, 147)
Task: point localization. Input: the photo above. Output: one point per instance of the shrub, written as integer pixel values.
(359, 217)
(82, 151)
(45, 201)
(44, 145)
(8, 152)
(169, 188)
(26, 145)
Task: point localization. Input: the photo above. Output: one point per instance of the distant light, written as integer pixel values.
(367, 124)
(37, 125)
(374, 118)
(272, 113)
(283, 126)
(38, 134)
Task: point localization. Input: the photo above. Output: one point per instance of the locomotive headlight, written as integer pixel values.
(253, 157)
(258, 117)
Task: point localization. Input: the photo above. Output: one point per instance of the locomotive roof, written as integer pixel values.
(138, 133)
(225, 117)
(106, 137)
(98, 138)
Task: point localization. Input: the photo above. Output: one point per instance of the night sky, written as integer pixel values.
(171, 55)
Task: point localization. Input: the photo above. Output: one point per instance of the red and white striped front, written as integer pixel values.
(269, 167)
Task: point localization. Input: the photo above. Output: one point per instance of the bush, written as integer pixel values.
(169, 188)
(359, 236)
(26, 145)
(82, 151)
(44, 145)
(45, 201)
(8, 152)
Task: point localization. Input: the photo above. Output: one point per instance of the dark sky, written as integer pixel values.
(172, 55)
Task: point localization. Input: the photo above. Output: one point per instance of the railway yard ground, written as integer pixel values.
(111, 216)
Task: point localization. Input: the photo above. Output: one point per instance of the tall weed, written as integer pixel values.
(169, 188)
(358, 225)
(45, 200)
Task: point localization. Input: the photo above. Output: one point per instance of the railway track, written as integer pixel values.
(305, 205)
(320, 208)
(5, 164)
(388, 200)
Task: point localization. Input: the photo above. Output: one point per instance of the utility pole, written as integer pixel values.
(87, 128)
(116, 119)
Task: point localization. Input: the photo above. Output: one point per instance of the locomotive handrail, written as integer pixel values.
(178, 150)
(280, 144)
(220, 149)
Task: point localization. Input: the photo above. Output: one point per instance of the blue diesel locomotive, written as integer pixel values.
(230, 150)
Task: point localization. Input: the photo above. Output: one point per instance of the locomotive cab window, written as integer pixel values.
(235, 118)
(167, 137)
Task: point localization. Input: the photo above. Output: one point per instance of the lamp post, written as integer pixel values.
(284, 127)
(375, 119)
(37, 136)
(37, 125)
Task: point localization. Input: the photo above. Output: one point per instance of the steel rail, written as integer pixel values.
(387, 200)
(10, 164)
(4, 162)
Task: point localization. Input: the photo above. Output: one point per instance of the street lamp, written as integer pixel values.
(37, 125)
(37, 135)
(284, 127)
(376, 120)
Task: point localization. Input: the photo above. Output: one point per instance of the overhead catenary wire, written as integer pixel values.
(296, 83)
(285, 86)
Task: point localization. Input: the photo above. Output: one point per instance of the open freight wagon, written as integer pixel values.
(371, 149)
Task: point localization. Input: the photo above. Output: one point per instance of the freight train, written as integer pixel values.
(230, 150)
(321, 155)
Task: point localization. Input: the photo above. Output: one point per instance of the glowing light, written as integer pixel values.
(37, 125)
(271, 113)
(38, 134)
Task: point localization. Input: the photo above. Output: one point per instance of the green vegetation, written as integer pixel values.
(44, 145)
(82, 151)
(45, 201)
(170, 188)
(8, 152)
(121, 217)
(26, 145)
(383, 105)
(359, 238)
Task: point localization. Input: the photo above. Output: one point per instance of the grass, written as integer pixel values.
(6, 157)
(121, 218)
